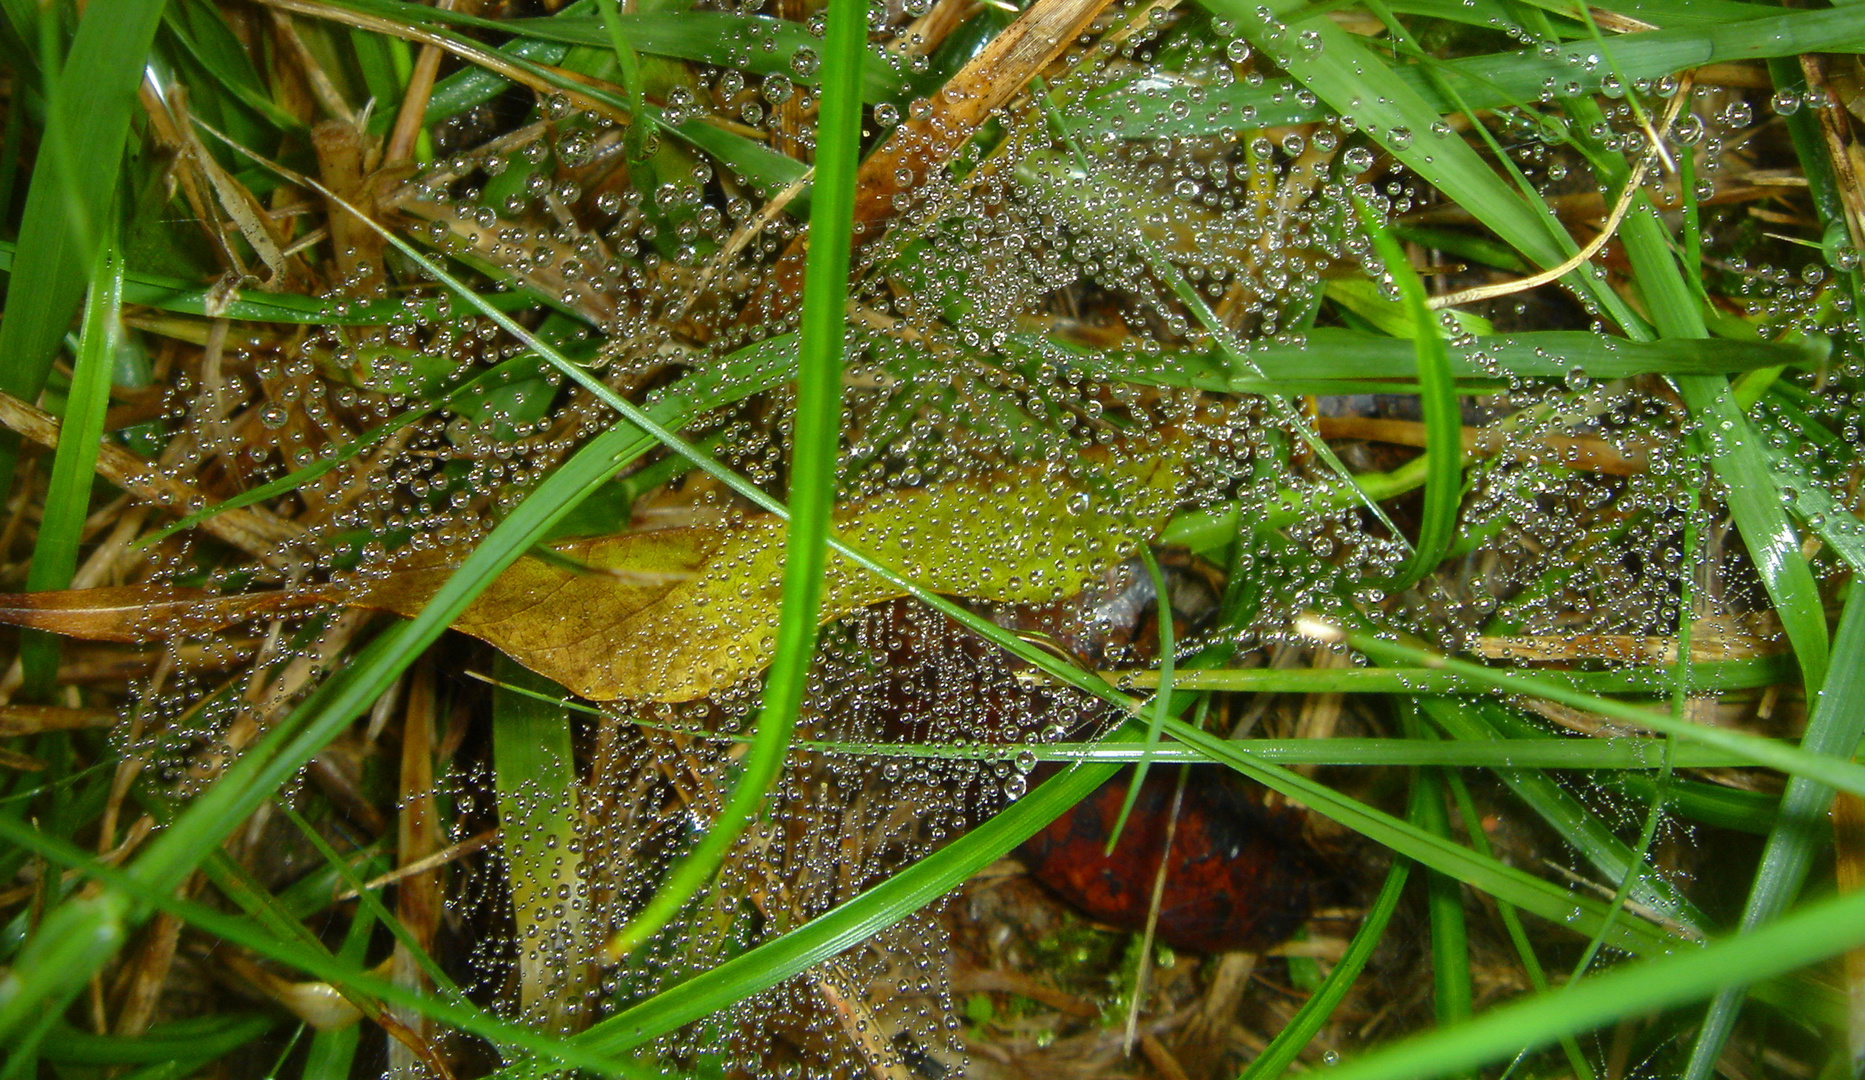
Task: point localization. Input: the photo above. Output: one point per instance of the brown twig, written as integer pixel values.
(413, 112)
(1587, 452)
(257, 532)
(419, 897)
(1628, 195)
(934, 132)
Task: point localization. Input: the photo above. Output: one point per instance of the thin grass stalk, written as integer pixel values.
(1315, 1013)
(1450, 937)
(1162, 698)
(1437, 395)
(1709, 677)
(88, 103)
(1804, 938)
(812, 470)
(1835, 726)
(68, 497)
(1843, 775)
(1512, 925)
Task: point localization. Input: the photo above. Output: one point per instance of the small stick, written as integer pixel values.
(254, 531)
(414, 103)
(1622, 207)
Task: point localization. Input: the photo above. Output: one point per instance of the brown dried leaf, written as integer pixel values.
(138, 613)
(17, 720)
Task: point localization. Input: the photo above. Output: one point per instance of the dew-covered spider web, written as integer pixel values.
(1095, 274)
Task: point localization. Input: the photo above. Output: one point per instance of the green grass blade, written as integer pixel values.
(68, 499)
(205, 37)
(1627, 753)
(1438, 400)
(1562, 811)
(70, 198)
(1788, 447)
(1705, 677)
(1757, 505)
(268, 910)
(191, 298)
(760, 44)
(1512, 924)
(540, 821)
(74, 940)
(1343, 72)
(1711, 804)
(1316, 1011)
(1789, 759)
(1801, 830)
(815, 450)
(1799, 940)
(1146, 109)
(206, 1038)
(1329, 353)
(1450, 936)
(1733, 447)
(332, 1052)
(474, 86)
(1162, 697)
(630, 67)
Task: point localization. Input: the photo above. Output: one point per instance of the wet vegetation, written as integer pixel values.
(1075, 539)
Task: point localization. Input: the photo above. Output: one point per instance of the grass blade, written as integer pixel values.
(68, 500)
(1789, 759)
(1801, 829)
(1147, 109)
(1804, 938)
(70, 199)
(1162, 697)
(814, 455)
(1438, 399)
(540, 817)
(1314, 1013)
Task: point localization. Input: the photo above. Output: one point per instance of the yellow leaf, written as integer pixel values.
(677, 614)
